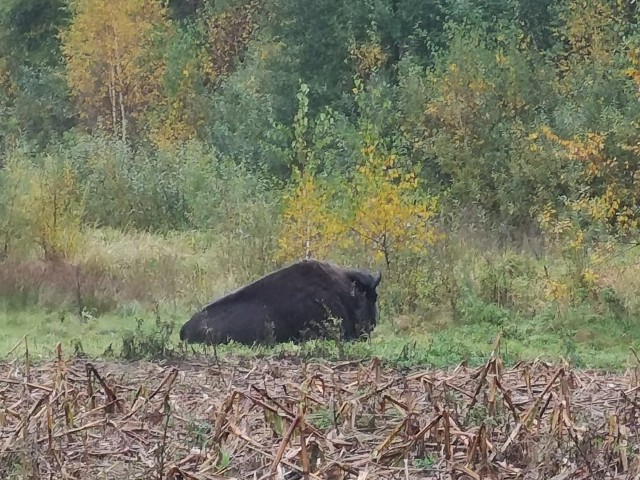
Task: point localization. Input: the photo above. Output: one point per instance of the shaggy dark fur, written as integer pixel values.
(293, 303)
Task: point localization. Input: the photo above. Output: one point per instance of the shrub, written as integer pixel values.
(49, 205)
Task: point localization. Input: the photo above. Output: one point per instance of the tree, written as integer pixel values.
(47, 205)
(310, 227)
(201, 53)
(389, 213)
(34, 99)
(471, 116)
(596, 130)
(113, 68)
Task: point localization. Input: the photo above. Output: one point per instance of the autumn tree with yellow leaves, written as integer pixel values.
(380, 207)
(311, 227)
(385, 213)
(389, 213)
(112, 68)
(49, 206)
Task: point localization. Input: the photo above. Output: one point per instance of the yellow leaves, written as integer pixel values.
(533, 138)
(607, 196)
(634, 70)
(478, 86)
(553, 227)
(589, 277)
(577, 241)
(557, 291)
(577, 272)
(590, 29)
(368, 57)
(176, 125)
(309, 229)
(387, 214)
(51, 206)
(108, 48)
(367, 150)
(501, 58)
(461, 90)
(382, 211)
(590, 149)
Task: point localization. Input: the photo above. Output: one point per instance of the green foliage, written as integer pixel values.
(244, 127)
(426, 462)
(506, 281)
(34, 103)
(29, 29)
(480, 101)
(235, 203)
(11, 222)
(151, 344)
(314, 52)
(376, 211)
(179, 115)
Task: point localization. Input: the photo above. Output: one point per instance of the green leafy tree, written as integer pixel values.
(481, 100)
(34, 99)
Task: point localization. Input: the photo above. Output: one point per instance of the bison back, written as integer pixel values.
(288, 304)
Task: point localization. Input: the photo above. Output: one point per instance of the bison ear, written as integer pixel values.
(365, 281)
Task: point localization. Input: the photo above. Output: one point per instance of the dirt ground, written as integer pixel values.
(285, 418)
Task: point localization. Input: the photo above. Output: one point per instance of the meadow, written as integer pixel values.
(128, 294)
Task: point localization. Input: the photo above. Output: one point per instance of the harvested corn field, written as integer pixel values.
(286, 418)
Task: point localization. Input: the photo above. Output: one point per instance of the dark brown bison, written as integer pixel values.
(291, 304)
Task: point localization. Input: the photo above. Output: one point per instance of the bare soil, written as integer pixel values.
(284, 418)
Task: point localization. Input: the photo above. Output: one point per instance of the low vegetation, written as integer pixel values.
(129, 294)
(487, 166)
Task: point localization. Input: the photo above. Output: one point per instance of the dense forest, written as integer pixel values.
(235, 135)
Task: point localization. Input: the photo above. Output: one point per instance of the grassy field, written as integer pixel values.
(127, 294)
(597, 345)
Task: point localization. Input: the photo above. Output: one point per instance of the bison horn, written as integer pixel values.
(377, 279)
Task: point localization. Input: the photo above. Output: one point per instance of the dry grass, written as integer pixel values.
(286, 419)
(116, 269)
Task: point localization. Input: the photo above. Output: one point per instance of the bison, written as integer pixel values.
(294, 303)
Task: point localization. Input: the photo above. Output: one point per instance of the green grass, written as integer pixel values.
(44, 330)
(492, 292)
(597, 344)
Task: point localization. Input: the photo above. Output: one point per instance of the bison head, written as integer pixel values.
(365, 285)
(198, 329)
(195, 330)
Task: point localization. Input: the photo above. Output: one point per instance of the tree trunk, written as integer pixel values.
(112, 97)
(123, 120)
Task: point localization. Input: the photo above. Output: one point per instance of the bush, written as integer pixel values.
(46, 205)
(148, 344)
